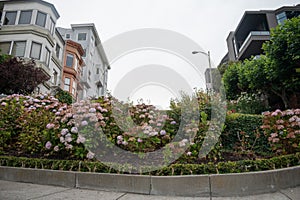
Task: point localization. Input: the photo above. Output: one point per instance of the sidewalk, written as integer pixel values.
(21, 191)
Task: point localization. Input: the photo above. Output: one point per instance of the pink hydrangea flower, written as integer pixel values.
(74, 130)
(84, 123)
(64, 131)
(90, 155)
(80, 139)
(163, 132)
(56, 148)
(50, 126)
(139, 140)
(173, 122)
(48, 145)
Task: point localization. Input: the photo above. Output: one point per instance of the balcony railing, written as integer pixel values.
(251, 34)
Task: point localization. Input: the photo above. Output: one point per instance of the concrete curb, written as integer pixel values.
(215, 185)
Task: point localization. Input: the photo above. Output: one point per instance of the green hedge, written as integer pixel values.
(175, 169)
(243, 132)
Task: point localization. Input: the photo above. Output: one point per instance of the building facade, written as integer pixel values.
(73, 66)
(253, 30)
(94, 75)
(28, 30)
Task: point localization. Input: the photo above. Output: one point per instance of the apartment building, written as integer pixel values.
(94, 74)
(254, 29)
(28, 30)
(73, 66)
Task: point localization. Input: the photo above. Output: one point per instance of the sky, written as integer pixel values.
(205, 22)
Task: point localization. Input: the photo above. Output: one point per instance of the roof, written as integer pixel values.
(38, 1)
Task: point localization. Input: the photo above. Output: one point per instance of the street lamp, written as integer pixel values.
(209, 64)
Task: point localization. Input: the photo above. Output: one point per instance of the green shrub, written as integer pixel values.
(64, 96)
(243, 133)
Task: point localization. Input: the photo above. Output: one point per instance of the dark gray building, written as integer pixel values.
(254, 29)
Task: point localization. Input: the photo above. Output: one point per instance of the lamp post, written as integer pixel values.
(209, 64)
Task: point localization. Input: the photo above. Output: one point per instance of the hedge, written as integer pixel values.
(174, 169)
(243, 132)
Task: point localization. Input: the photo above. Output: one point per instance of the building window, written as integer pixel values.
(97, 71)
(281, 17)
(57, 50)
(81, 36)
(41, 19)
(35, 50)
(74, 88)
(51, 26)
(76, 64)
(47, 57)
(10, 18)
(69, 61)
(18, 48)
(5, 47)
(55, 74)
(68, 36)
(67, 83)
(25, 17)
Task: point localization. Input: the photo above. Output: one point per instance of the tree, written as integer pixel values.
(283, 53)
(231, 81)
(20, 76)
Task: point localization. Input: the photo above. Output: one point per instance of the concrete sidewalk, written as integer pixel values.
(21, 191)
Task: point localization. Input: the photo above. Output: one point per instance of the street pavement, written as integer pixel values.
(27, 191)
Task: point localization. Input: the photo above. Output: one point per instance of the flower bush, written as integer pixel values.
(42, 126)
(283, 130)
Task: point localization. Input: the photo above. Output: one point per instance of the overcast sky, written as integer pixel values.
(207, 22)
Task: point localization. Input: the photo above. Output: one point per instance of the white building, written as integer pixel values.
(94, 74)
(28, 30)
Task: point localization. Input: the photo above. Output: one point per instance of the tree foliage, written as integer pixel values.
(272, 74)
(19, 76)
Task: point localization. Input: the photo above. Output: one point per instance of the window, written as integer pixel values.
(47, 57)
(18, 48)
(41, 19)
(81, 36)
(25, 17)
(68, 36)
(57, 50)
(76, 64)
(51, 26)
(35, 50)
(281, 17)
(5, 47)
(69, 61)
(67, 83)
(97, 72)
(55, 77)
(74, 88)
(10, 18)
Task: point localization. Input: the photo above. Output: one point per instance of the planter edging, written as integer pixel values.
(216, 185)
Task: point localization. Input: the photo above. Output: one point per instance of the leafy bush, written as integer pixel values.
(243, 133)
(248, 104)
(283, 130)
(63, 96)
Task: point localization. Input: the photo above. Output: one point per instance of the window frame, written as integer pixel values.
(15, 17)
(9, 45)
(80, 36)
(32, 44)
(14, 44)
(68, 56)
(67, 84)
(37, 18)
(20, 17)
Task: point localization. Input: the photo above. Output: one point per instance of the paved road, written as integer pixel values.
(21, 191)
